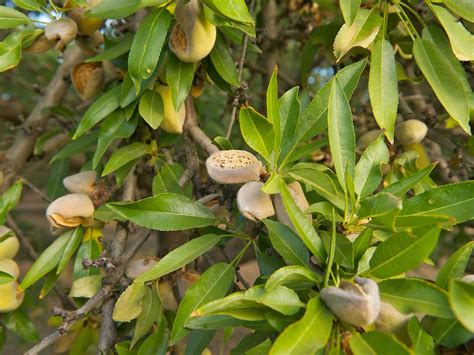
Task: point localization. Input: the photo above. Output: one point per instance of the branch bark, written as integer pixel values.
(22, 148)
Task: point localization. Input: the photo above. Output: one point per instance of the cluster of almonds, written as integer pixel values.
(76, 208)
(11, 296)
(165, 288)
(359, 304)
(242, 167)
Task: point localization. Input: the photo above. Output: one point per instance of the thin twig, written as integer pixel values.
(235, 102)
(35, 189)
(195, 132)
(192, 161)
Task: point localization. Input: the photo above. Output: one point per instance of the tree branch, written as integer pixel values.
(195, 132)
(25, 140)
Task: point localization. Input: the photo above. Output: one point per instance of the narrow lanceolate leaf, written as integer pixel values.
(166, 212)
(383, 88)
(115, 126)
(303, 227)
(214, 283)
(401, 187)
(461, 299)
(349, 10)
(361, 33)
(422, 342)
(416, 296)
(368, 174)
(223, 62)
(180, 257)
(99, 110)
(462, 41)
(150, 313)
(257, 131)
(287, 243)
(273, 109)
(294, 277)
(114, 8)
(147, 45)
(463, 8)
(129, 304)
(9, 199)
(46, 262)
(121, 47)
(235, 10)
(289, 120)
(10, 18)
(455, 266)
(151, 108)
(402, 252)
(74, 240)
(341, 133)
(124, 156)
(453, 200)
(179, 76)
(307, 335)
(443, 80)
(377, 343)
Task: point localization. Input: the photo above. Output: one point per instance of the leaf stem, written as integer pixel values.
(332, 250)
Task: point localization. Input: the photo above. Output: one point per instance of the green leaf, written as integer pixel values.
(295, 277)
(179, 76)
(402, 252)
(150, 313)
(461, 299)
(463, 8)
(450, 333)
(198, 340)
(124, 156)
(129, 304)
(6, 278)
(167, 180)
(314, 117)
(121, 47)
(303, 227)
(166, 212)
(10, 199)
(287, 243)
(382, 208)
(400, 187)
(383, 88)
(10, 18)
(257, 132)
(349, 10)
(415, 296)
(273, 109)
(320, 182)
(455, 266)
(59, 170)
(235, 10)
(30, 5)
(251, 304)
(151, 108)
(376, 343)
(223, 143)
(289, 116)
(157, 343)
(223, 61)
(453, 200)
(10, 55)
(368, 174)
(74, 237)
(214, 283)
(18, 323)
(115, 126)
(114, 9)
(360, 33)
(99, 110)
(180, 257)
(307, 335)
(462, 41)
(127, 91)
(444, 81)
(422, 342)
(46, 262)
(80, 145)
(341, 133)
(147, 45)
